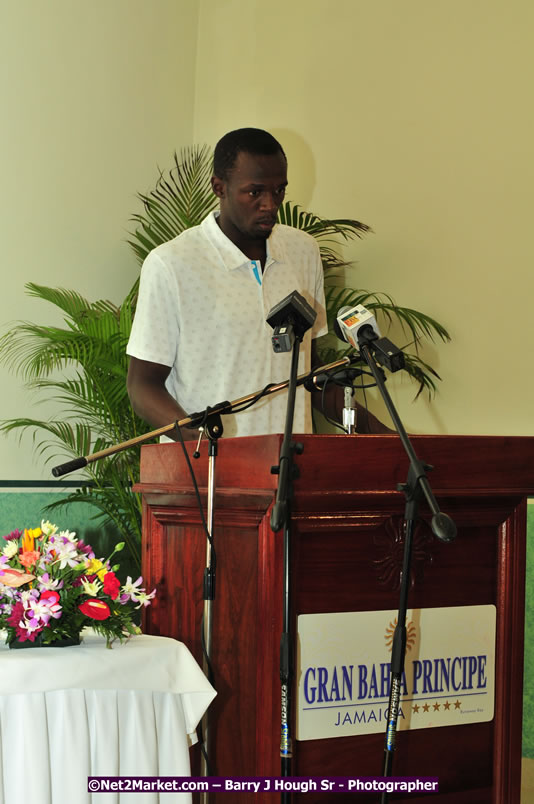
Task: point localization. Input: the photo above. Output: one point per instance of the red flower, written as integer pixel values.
(95, 609)
(50, 596)
(112, 585)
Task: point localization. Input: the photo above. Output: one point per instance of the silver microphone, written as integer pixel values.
(349, 411)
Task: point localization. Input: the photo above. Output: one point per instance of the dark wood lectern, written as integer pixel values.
(346, 556)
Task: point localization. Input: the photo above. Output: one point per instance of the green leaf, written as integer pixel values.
(181, 198)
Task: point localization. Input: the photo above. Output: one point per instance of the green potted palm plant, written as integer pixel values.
(82, 365)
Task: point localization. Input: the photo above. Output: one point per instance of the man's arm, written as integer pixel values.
(150, 398)
(333, 397)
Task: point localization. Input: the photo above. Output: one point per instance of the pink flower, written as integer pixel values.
(50, 597)
(15, 534)
(24, 629)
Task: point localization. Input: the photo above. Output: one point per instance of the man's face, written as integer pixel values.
(251, 195)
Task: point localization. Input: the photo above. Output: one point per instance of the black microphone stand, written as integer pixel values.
(290, 319)
(213, 429)
(415, 489)
(281, 517)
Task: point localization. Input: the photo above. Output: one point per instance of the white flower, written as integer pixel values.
(143, 599)
(11, 549)
(47, 528)
(43, 610)
(68, 536)
(130, 588)
(46, 582)
(67, 554)
(30, 625)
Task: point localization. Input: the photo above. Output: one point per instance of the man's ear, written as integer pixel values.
(218, 186)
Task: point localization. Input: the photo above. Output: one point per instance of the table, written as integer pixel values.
(70, 713)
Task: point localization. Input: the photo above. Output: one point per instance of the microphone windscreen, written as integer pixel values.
(338, 331)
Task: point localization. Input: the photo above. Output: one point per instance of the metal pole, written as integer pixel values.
(207, 619)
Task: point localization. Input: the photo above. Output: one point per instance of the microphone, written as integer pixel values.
(355, 323)
(290, 318)
(349, 411)
(357, 326)
(70, 466)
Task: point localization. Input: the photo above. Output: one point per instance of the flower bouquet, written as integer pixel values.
(52, 586)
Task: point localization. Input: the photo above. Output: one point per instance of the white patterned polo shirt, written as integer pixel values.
(202, 311)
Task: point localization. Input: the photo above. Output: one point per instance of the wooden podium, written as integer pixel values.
(346, 528)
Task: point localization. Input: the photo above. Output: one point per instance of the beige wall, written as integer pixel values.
(94, 96)
(417, 118)
(414, 116)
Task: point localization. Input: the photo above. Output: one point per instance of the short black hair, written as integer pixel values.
(250, 140)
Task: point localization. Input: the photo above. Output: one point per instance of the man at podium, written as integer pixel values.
(200, 335)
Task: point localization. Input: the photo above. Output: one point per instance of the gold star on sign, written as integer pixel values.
(446, 705)
(416, 708)
(426, 708)
(436, 707)
(457, 704)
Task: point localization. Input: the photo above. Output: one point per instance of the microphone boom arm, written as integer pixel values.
(196, 419)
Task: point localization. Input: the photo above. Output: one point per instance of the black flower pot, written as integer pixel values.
(67, 642)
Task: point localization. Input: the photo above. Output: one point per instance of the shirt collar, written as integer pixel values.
(231, 255)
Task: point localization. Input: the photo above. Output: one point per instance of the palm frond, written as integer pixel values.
(71, 302)
(92, 396)
(31, 350)
(181, 198)
(73, 439)
(416, 325)
(420, 371)
(122, 507)
(327, 232)
(292, 214)
(419, 325)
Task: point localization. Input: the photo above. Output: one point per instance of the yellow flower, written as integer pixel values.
(95, 567)
(29, 537)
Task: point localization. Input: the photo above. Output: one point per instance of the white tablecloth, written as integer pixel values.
(70, 713)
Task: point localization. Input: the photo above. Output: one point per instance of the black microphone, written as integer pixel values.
(290, 318)
(388, 354)
(70, 466)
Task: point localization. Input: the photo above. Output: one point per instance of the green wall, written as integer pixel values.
(20, 509)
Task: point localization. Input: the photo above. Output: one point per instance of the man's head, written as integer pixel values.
(250, 177)
(250, 140)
